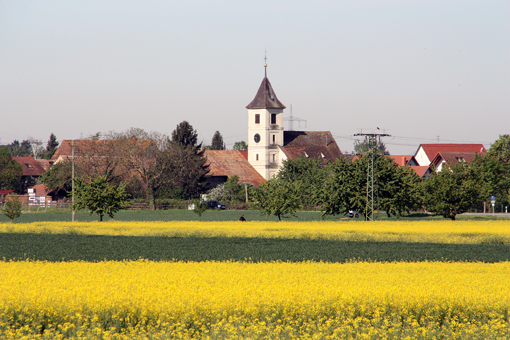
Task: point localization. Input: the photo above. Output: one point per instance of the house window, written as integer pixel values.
(257, 157)
(273, 118)
(274, 158)
(274, 139)
(257, 118)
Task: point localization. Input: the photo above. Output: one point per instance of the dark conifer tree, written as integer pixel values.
(217, 142)
(51, 147)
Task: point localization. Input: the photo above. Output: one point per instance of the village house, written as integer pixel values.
(427, 152)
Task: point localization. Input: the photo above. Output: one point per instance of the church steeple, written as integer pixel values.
(265, 97)
(265, 130)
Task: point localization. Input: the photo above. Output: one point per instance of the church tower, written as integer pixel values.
(265, 129)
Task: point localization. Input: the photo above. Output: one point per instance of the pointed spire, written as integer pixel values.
(265, 97)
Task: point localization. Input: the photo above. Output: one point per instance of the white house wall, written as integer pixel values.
(421, 157)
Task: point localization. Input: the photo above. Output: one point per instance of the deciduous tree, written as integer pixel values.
(335, 194)
(10, 172)
(309, 172)
(453, 190)
(241, 146)
(98, 196)
(501, 149)
(12, 208)
(345, 187)
(277, 197)
(199, 207)
(363, 147)
(58, 178)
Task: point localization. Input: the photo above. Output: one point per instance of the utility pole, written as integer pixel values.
(72, 176)
(372, 140)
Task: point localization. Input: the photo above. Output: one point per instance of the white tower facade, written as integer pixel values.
(265, 130)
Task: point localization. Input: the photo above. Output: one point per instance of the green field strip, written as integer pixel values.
(94, 248)
(225, 215)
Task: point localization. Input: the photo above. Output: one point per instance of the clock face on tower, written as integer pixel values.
(256, 138)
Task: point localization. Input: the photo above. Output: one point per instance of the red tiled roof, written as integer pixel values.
(452, 158)
(40, 189)
(311, 144)
(265, 97)
(30, 166)
(401, 160)
(91, 146)
(420, 170)
(433, 149)
(45, 163)
(232, 162)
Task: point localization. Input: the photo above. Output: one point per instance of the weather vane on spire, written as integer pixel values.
(265, 62)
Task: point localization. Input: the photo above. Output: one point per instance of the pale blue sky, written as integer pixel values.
(418, 69)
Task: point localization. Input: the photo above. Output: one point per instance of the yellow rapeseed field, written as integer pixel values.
(243, 300)
(492, 232)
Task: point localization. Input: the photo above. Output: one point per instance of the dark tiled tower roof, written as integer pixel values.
(265, 98)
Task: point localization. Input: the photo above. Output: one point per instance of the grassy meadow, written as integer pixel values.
(64, 215)
(411, 279)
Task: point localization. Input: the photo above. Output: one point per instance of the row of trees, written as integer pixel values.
(149, 165)
(341, 186)
(32, 147)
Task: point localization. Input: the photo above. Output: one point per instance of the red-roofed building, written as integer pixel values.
(427, 152)
(451, 158)
(422, 171)
(309, 144)
(403, 160)
(31, 167)
(227, 163)
(4, 193)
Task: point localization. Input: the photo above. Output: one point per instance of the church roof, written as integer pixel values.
(265, 98)
(310, 144)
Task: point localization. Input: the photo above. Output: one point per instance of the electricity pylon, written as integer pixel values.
(372, 140)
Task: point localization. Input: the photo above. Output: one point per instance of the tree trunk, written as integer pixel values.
(100, 217)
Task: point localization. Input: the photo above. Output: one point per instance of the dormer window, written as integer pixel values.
(28, 165)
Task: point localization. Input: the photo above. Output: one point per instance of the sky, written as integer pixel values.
(420, 71)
